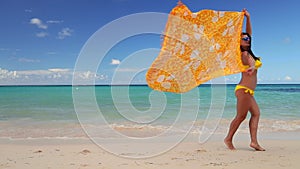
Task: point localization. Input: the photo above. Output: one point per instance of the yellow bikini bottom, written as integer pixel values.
(247, 90)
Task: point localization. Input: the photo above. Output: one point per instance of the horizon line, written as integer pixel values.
(45, 85)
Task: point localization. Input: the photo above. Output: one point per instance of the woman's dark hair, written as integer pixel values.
(249, 48)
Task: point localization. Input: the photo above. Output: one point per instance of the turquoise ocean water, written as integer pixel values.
(48, 111)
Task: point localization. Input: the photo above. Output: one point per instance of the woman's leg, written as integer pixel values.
(253, 125)
(242, 107)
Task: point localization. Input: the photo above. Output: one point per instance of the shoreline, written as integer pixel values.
(190, 138)
(18, 130)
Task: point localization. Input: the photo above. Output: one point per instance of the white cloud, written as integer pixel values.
(28, 10)
(28, 60)
(59, 70)
(65, 32)
(4, 49)
(115, 62)
(38, 23)
(49, 76)
(41, 34)
(55, 21)
(287, 78)
(4, 74)
(33, 72)
(86, 75)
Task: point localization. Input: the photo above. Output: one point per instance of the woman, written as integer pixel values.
(244, 91)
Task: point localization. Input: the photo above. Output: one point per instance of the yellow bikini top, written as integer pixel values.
(257, 65)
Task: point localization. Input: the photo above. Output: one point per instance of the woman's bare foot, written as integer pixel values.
(257, 147)
(229, 144)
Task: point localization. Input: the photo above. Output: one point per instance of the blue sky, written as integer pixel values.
(40, 40)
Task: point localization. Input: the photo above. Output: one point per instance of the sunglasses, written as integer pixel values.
(246, 39)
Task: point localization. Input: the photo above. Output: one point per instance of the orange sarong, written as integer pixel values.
(197, 47)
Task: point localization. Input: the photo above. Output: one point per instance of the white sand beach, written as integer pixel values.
(70, 154)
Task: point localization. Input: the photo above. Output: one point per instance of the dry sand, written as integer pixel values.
(75, 154)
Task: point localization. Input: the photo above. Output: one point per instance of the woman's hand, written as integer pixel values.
(179, 3)
(246, 13)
